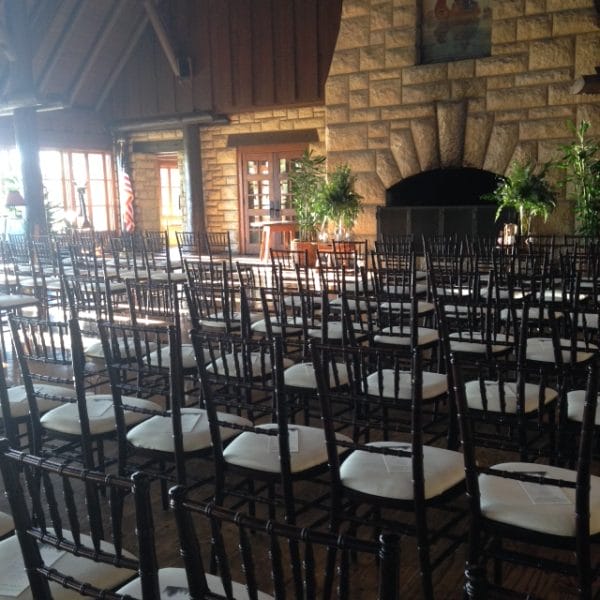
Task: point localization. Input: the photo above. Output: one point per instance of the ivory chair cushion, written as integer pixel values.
(335, 330)
(302, 375)
(387, 476)
(590, 320)
(19, 406)
(188, 356)
(512, 502)
(425, 336)
(6, 524)
(9, 301)
(423, 308)
(228, 366)
(177, 276)
(65, 418)
(172, 579)
(156, 433)
(92, 348)
(541, 349)
(261, 452)
(476, 345)
(492, 388)
(83, 569)
(575, 404)
(533, 313)
(293, 327)
(420, 288)
(434, 384)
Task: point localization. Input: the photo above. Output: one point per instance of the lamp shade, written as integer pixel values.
(14, 198)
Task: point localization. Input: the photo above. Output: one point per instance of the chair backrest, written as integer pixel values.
(217, 244)
(57, 511)
(188, 244)
(254, 556)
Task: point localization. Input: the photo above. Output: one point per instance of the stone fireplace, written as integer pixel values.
(392, 119)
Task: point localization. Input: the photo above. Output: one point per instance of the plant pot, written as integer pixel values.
(309, 247)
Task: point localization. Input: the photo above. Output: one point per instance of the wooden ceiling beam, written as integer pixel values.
(125, 56)
(54, 54)
(113, 16)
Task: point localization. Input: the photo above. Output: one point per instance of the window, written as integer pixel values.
(65, 171)
(171, 213)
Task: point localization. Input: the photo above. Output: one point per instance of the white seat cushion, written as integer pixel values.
(589, 319)
(512, 502)
(470, 343)
(434, 384)
(19, 406)
(575, 404)
(391, 477)
(9, 301)
(261, 452)
(533, 313)
(492, 390)
(92, 348)
(541, 349)
(291, 327)
(95, 573)
(6, 524)
(335, 330)
(172, 580)
(425, 336)
(188, 356)
(234, 363)
(156, 433)
(177, 276)
(303, 375)
(65, 418)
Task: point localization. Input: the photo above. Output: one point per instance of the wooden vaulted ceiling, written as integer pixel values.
(107, 56)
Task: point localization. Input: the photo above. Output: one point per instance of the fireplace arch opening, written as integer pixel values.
(441, 202)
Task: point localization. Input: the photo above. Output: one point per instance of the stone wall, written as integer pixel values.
(390, 118)
(220, 162)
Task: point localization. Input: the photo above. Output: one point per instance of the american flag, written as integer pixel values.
(126, 197)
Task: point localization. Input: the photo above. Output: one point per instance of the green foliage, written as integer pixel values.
(582, 171)
(307, 178)
(341, 202)
(525, 191)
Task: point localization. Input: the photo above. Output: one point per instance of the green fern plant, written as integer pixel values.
(342, 204)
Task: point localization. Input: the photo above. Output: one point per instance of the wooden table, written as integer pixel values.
(268, 228)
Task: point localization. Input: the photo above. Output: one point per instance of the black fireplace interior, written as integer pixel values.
(441, 202)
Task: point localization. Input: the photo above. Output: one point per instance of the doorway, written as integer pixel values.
(171, 209)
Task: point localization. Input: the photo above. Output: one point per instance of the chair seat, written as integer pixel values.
(176, 276)
(472, 343)
(19, 406)
(353, 305)
(423, 308)
(261, 452)
(233, 364)
(335, 330)
(387, 476)
(541, 349)
(6, 524)
(65, 418)
(400, 336)
(492, 390)
(156, 433)
(525, 505)
(575, 404)
(532, 314)
(172, 580)
(10, 301)
(92, 348)
(292, 327)
(434, 384)
(589, 320)
(420, 289)
(13, 575)
(188, 356)
(302, 375)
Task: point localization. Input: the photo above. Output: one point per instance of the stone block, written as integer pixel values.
(500, 65)
(421, 74)
(359, 161)
(387, 168)
(568, 22)
(354, 8)
(400, 38)
(560, 93)
(358, 81)
(560, 5)
(413, 94)
(402, 147)
(378, 143)
(543, 77)
(380, 129)
(385, 74)
(359, 99)
(345, 61)
(560, 113)
(451, 123)
(550, 54)
(510, 48)
(477, 132)
(400, 57)
(354, 33)
(507, 9)
(590, 113)
(336, 89)
(467, 88)
(372, 58)
(386, 92)
(587, 51)
(405, 16)
(499, 82)
(347, 137)
(461, 69)
(504, 32)
(541, 129)
(425, 136)
(410, 111)
(530, 28)
(533, 7)
(381, 16)
(365, 115)
(337, 114)
(503, 141)
(511, 99)
(505, 116)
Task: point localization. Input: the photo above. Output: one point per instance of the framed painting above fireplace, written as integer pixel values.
(455, 29)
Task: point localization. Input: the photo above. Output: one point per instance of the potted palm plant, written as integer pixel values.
(526, 190)
(306, 179)
(341, 203)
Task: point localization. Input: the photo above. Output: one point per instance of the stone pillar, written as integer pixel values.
(194, 195)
